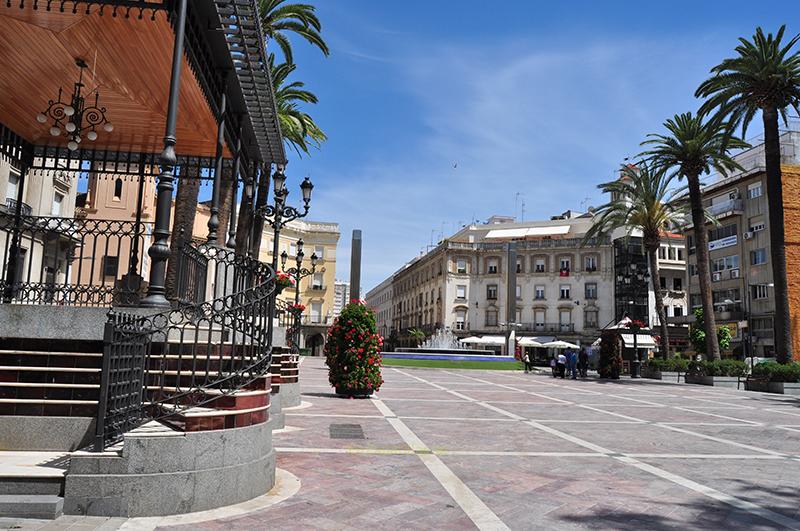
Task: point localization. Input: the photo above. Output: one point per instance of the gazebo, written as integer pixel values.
(171, 91)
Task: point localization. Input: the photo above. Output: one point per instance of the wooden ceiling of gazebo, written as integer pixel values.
(129, 62)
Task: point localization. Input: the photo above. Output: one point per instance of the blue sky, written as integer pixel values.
(440, 112)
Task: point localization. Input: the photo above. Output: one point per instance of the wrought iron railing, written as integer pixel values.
(69, 261)
(156, 367)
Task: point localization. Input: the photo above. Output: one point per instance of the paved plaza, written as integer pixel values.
(450, 449)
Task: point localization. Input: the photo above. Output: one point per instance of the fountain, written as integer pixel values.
(444, 345)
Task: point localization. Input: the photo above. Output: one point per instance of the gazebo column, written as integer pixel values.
(159, 251)
(13, 261)
(231, 243)
(213, 220)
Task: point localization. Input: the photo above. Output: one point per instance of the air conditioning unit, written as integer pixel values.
(748, 235)
(734, 273)
(716, 277)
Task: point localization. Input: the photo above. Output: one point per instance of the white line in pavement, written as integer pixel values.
(471, 504)
(369, 451)
(719, 439)
(553, 399)
(669, 476)
(620, 415)
(334, 415)
(690, 410)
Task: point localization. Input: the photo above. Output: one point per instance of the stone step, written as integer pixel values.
(40, 506)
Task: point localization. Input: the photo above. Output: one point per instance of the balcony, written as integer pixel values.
(316, 320)
(11, 207)
(726, 208)
(555, 328)
(317, 287)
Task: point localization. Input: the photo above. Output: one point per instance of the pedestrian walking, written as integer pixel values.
(553, 367)
(562, 365)
(583, 363)
(526, 359)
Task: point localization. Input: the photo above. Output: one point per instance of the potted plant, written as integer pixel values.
(722, 373)
(772, 377)
(353, 352)
(283, 281)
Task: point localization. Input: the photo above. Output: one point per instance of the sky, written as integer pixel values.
(440, 112)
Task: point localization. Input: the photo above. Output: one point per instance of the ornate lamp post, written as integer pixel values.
(278, 215)
(298, 273)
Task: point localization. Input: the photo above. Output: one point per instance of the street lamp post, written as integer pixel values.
(298, 273)
(278, 215)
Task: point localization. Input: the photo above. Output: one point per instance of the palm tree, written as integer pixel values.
(765, 76)
(693, 147)
(643, 199)
(278, 19)
(300, 131)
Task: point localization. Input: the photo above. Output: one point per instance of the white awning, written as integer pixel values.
(556, 230)
(471, 340)
(642, 340)
(528, 342)
(493, 340)
(560, 344)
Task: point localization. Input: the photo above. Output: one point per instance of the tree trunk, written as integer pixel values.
(244, 224)
(655, 275)
(185, 212)
(777, 241)
(703, 271)
(225, 205)
(262, 194)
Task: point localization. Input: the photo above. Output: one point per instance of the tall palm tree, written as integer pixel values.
(299, 129)
(693, 147)
(279, 18)
(643, 200)
(765, 76)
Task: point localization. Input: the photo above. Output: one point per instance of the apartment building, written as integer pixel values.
(341, 296)
(380, 299)
(561, 288)
(45, 249)
(739, 249)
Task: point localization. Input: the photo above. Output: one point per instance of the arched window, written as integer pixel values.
(118, 189)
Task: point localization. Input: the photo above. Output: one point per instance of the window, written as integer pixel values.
(316, 283)
(491, 266)
(678, 311)
(319, 250)
(461, 266)
(55, 210)
(538, 318)
(760, 291)
(316, 312)
(754, 190)
(757, 224)
(721, 233)
(677, 284)
(564, 264)
(758, 257)
(539, 292)
(13, 183)
(461, 317)
(727, 262)
(519, 292)
(539, 265)
(690, 244)
(519, 265)
(292, 249)
(590, 318)
(564, 291)
(662, 253)
(591, 290)
(461, 292)
(671, 253)
(692, 270)
(680, 253)
(491, 291)
(662, 282)
(696, 300)
(110, 266)
(491, 317)
(565, 320)
(733, 295)
(118, 189)
(590, 263)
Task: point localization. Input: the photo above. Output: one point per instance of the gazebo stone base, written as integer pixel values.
(160, 472)
(290, 395)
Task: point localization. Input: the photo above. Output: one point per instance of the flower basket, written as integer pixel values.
(353, 352)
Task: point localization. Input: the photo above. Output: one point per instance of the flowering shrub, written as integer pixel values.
(610, 362)
(635, 324)
(299, 308)
(353, 351)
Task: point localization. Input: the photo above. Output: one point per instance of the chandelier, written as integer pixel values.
(74, 116)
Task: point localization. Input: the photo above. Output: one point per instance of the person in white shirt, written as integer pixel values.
(561, 364)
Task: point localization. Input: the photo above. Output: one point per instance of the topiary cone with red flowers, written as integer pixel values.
(353, 352)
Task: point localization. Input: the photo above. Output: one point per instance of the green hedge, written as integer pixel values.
(777, 372)
(717, 368)
(668, 365)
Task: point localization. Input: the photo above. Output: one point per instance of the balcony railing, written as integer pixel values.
(555, 328)
(732, 206)
(11, 207)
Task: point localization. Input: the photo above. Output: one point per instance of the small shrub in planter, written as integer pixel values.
(732, 368)
(777, 372)
(668, 365)
(610, 363)
(353, 352)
